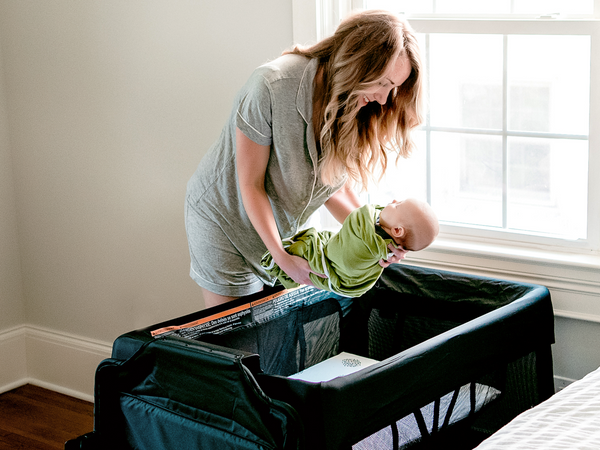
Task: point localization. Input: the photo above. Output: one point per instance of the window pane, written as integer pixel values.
(404, 180)
(466, 178)
(548, 83)
(529, 107)
(548, 186)
(466, 81)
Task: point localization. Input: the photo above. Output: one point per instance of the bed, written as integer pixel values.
(446, 351)
(569, 420)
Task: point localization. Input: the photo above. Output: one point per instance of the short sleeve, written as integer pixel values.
(253, 116)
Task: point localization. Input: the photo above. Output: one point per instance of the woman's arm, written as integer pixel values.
(343, 202)
(251, 161)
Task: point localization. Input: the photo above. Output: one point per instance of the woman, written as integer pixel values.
(305, 129)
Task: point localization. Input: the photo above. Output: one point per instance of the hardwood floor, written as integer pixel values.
(34, 418)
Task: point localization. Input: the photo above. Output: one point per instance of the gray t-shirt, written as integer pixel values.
(274, 108)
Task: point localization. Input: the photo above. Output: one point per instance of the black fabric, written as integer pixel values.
(182, 394)
(304, 337)
(433, 331)
(487, 323)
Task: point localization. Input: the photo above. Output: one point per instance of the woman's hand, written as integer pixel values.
(398, 255)
(297, 269)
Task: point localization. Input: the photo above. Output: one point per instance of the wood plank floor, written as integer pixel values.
(38, 419)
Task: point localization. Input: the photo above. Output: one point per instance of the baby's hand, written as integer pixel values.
(395, 256)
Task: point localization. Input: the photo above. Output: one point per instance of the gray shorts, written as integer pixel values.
(216, 265)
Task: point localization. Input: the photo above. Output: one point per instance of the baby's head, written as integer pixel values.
(411, 223)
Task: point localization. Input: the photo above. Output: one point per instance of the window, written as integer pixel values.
(507, 151)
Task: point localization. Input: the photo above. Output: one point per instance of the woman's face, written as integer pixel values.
(394, 77)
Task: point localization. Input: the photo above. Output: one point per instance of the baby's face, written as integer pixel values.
(412, 215)
(399, 212)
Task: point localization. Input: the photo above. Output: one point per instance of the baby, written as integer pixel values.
(350, 258)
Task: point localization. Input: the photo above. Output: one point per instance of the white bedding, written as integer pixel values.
(569, 420)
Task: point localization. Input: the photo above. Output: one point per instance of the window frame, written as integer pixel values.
(327, 13)
(504, 26)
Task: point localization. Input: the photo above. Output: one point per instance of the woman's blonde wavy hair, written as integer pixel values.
(354, 140)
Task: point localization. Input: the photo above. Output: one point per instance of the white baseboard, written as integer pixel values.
(561, 382)
(13, 358)
(54, 360)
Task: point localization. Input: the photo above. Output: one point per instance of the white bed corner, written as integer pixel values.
(569, 420)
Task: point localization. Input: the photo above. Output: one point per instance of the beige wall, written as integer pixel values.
(11, 292)
(111, 104)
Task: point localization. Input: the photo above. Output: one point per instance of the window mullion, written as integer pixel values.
(428, 125)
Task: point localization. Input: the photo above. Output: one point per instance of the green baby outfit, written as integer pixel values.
(349, 258)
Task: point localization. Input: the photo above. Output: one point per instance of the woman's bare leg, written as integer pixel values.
(211, 299)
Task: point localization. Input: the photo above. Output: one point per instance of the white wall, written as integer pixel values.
(106, 107)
